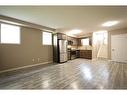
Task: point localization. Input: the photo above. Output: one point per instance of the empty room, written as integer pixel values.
(63, 47)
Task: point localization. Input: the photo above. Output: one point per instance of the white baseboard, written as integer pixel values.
(28, 66)
(118, 61)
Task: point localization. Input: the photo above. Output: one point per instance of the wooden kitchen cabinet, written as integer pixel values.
(81, 54)
(79, 42)
(73, 41)
(62, 36)
(87, 54)
(68, 38)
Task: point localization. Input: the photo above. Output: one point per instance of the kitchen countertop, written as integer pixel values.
(77, 49)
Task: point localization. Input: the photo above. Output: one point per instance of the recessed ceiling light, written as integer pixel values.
(110, 23)
(75, 31)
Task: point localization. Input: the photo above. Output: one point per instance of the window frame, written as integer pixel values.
(19, 34)
(43, 38)
(88, 41)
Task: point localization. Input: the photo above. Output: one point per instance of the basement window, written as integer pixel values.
(9, 34)
(85, 41)
(47, 38)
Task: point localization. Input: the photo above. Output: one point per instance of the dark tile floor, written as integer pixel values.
(74, 74)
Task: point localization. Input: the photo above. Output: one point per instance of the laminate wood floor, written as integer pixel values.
(74, 74)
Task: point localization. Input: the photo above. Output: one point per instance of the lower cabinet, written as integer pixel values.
(87, 54)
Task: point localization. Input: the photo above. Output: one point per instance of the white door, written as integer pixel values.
(119, 47)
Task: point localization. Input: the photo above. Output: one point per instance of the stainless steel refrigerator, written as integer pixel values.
(59, 49)
(63, 51)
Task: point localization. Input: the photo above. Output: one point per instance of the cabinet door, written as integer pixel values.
(79, 42)
(87, 54)
(68, 38)
(62, 36)
(81, 54)
(59, 36)
(74, 40)
(71, 39)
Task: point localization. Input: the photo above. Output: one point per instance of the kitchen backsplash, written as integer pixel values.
(81, 47)
(85, 47)
(74, 47)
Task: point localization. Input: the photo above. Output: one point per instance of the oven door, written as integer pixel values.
(73, 54)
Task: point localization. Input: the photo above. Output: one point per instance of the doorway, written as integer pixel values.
(119, 48)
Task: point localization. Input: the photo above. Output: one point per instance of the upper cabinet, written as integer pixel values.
(69, 38)
(72, 41)
(62, 36)
(79, 42)
(75, 42)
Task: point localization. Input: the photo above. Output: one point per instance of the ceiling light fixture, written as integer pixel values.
(110, 23)
(75, 31)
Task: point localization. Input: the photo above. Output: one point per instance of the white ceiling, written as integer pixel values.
(65, 18)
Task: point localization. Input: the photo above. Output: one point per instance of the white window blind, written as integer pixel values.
(85, 41)
(10, 34)
(47, 38)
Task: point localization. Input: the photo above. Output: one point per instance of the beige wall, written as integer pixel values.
(13, 56)
(10, 20)
(114, 32)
